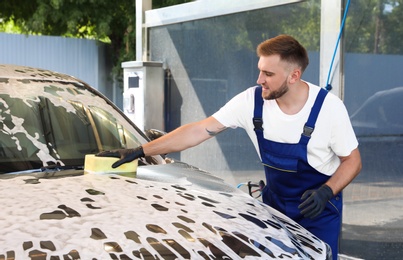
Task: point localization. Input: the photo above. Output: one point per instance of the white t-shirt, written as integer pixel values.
(333, 135)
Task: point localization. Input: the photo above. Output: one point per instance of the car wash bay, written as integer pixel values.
(201, 75)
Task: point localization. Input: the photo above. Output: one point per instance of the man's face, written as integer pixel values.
(273, 76)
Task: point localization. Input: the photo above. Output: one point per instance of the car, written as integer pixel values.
(52, 208)
(380, 115)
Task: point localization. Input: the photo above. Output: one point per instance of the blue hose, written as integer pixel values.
(328, 85)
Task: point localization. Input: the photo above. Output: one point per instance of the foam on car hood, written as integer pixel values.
(100, 216)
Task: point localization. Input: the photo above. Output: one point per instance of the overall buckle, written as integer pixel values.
(258, 123)
(308, 131)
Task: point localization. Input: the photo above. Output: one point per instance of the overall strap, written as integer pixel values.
(257, 113)
(313, 116)
(257, 118)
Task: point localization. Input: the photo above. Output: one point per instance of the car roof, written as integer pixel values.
(25, 72)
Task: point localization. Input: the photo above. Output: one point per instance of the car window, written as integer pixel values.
(59, 123)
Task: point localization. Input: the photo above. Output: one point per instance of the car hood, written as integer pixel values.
(171, 211)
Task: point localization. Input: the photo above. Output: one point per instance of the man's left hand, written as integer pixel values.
(315, 201)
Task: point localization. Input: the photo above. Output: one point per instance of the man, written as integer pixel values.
(302, 133)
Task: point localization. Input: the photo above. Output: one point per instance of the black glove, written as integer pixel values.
(125, 155)
(315, 201)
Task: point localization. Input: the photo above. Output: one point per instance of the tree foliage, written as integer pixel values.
(109, 21)
(372, 26)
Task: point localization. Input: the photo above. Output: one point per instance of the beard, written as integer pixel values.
(278, 93)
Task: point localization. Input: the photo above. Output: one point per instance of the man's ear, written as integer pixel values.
(295, 75)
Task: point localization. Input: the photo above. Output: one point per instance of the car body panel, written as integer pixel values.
(183, 213)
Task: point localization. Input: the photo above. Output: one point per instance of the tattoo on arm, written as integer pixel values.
(214, 133)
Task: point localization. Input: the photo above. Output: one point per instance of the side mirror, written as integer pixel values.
(153, 134)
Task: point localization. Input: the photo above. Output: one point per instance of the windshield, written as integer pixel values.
(46, 123)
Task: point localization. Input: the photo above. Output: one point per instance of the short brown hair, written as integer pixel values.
(289, 49)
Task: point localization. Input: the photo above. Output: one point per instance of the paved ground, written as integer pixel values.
(373, 203)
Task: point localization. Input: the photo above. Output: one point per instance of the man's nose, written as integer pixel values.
(260, 79)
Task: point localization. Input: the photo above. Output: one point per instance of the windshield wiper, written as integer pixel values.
(53, 168)
(56, 167)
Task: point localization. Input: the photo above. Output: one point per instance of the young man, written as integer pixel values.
(302, 133)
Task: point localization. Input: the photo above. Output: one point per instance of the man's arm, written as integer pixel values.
(184, 137)
(180, 139)
(348, 169)
(314, 201)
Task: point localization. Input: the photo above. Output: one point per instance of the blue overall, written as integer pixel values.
(289, 175)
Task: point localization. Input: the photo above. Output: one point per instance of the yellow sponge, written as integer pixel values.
(96, 164)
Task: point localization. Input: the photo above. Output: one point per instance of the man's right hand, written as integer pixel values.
(125, 155)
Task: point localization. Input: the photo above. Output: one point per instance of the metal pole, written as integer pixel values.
(141, 33)
(331, 14)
